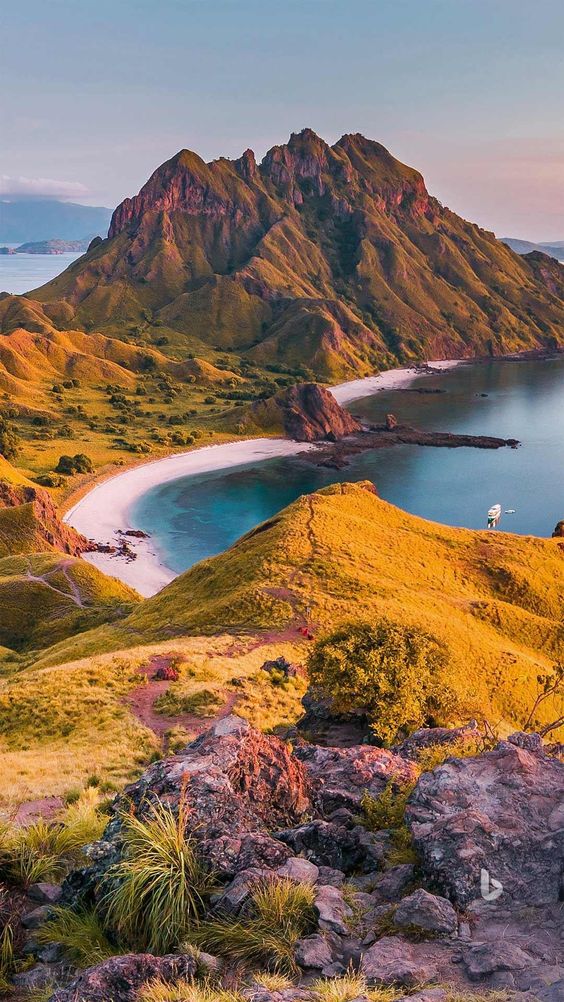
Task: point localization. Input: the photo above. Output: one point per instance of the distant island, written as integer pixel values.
(50, 247)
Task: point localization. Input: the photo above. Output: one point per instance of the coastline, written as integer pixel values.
(106, 509)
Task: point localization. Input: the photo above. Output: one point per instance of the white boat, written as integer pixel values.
(494, 515)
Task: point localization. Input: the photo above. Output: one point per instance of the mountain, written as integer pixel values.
(32, 219)
(525, 247)
(336, 258)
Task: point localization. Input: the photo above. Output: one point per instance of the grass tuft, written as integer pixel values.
(158, 889)
(351, 986)
(45, 850)
(280, 912)
(185, 991)
(80, 933)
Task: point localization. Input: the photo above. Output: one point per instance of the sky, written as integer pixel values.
(97, 93)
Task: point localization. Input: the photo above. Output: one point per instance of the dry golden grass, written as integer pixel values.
(51, 744)
(494, 599)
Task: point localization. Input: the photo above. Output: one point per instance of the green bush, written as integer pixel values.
(79, 463)
(395, 674)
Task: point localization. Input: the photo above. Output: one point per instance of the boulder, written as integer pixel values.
(483, 959)
(120, 978)
(37, 917)
(307, 413)
(341, 776)
(392, 885)
(426, 912)
(334, 914)
(44, 893)
(299, 869)
(393, 960)
(281, 665)
(313, 952)
(428, 737)
(327, 845)
(494, 817)
(236, 783)
(234, 896)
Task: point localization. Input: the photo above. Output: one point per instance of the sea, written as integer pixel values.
(20, 273)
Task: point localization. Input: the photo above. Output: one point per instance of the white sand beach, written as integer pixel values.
(106, 509)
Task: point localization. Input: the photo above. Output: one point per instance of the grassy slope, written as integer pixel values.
(60, 726)
(495, 598)
(47, 597)
(273, 270)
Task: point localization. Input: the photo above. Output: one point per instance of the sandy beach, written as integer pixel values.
(106, 509)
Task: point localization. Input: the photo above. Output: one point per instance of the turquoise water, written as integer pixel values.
(196, 517)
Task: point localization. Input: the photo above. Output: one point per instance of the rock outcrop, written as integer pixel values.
(502, 809)
(29, 521)
(307, 413)
(495, 817)
(120, 978)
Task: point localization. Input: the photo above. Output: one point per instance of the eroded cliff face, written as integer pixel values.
(333, 257)
(29, 521)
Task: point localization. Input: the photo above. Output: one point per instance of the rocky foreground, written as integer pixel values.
(478, 906)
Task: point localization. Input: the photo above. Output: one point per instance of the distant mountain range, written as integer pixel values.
(34, 219)
(555, 250)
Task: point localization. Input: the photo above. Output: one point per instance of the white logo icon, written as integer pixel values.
(490, 889)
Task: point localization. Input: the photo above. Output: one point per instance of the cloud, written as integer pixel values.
(40, 187)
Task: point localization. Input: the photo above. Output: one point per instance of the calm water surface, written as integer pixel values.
(22, 272)
(196, 517)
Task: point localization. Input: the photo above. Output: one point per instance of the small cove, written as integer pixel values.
(200, 515)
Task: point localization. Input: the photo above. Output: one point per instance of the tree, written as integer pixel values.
(9, 440)
(391, 672)
(549, 686)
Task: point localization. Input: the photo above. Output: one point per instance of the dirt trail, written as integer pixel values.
(31, 810)
(73, 593)
(141, 702)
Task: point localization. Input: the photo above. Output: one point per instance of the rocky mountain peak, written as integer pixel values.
(246, 165)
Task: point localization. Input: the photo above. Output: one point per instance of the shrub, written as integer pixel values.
(280, 912)
(158, 888)
(80, 463)
(201, 703)
(387, 813)
(50, 480)
(9, 440)
(392, 673)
